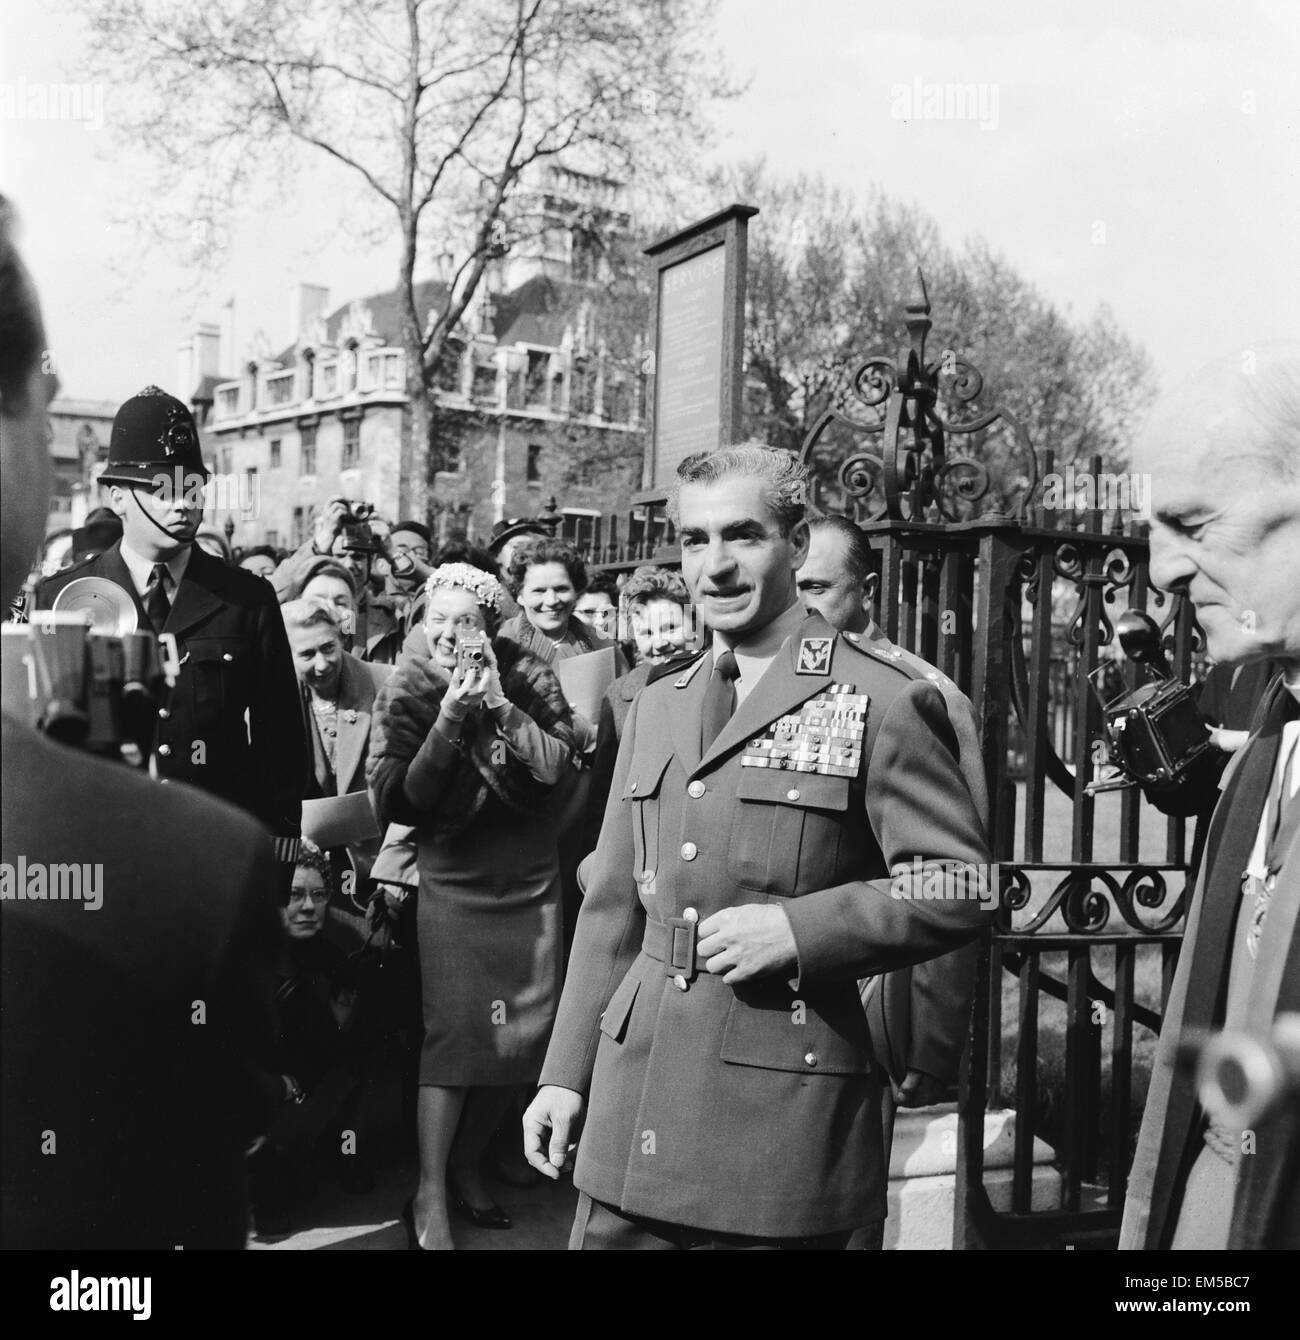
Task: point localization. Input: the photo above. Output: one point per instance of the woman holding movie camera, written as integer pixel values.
(466, 748)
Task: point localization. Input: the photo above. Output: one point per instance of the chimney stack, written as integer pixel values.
(306, 303)
(197, 357)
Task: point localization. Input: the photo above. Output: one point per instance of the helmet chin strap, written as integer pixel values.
(179, 544)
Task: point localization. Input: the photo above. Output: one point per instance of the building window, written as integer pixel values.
(273, 539)
(586, 255)
(618, 400)
(485, 378)
(447, 377)
(225, 460)
(582, 398)
(251, 475)
(329, 379)
(299, 527)
(534, 475)
(537, 390)
(446, 455)
(351, 361)
(275, 453)
(307, 452)
(351, 444)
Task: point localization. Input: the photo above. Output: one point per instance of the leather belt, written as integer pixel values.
(672, 943)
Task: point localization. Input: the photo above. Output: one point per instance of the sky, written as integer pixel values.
(1142, 155)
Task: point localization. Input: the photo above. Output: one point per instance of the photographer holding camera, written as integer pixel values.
(467, 745)
(386, 571)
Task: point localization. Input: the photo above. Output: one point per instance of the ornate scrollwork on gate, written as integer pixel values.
(1082, 900)
(911, 476)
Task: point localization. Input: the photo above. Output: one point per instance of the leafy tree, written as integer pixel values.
(436, 112)
(828, 280)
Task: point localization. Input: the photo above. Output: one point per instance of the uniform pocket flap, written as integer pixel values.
(226, 650)
(613, 1023)
(808, 790)
(796, 1037)
(645, 777)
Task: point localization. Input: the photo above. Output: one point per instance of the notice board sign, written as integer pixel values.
(699, 316)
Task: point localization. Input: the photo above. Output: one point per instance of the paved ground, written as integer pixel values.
(334, 1220)
(542, 1217)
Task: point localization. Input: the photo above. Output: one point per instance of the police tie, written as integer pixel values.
(719, 699)
(156, 604)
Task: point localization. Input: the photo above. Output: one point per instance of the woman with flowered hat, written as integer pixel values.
(466, 748)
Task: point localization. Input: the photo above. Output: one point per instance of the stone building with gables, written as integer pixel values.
(530, 402)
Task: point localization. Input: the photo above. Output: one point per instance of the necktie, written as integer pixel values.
(719, 699)
(156, 604)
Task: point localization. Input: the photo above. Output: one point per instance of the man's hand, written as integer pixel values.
(326, 526)
(559, 1111)
(744, 942)
(919, 1090)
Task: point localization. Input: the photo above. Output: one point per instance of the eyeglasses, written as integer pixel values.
(301, 895)
(415, 550)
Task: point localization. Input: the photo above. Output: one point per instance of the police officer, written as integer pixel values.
(711, 1030)
(233, 723)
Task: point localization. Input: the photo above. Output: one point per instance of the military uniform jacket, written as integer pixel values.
(755, 1109)
(233, 724)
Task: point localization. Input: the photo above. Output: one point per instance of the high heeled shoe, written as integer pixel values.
(492, 1217)
(413, 1243)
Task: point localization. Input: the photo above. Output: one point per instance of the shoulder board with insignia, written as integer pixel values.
(674, 666)
(885, 653)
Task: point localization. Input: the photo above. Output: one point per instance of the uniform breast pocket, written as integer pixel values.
(785, 835)
(218, 671)
(641, 794)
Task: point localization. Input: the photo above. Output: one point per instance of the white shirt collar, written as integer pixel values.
(759, 650)
(141, 568)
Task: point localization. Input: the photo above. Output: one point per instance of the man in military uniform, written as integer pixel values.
(711, 1025)
(233, 723)
(919, 1017)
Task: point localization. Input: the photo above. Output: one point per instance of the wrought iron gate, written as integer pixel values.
(1087, 931)
(1017, 604)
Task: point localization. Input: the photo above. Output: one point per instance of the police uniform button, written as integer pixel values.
(689, 851)
(690, 915)
(164, 750)
(810, 1058)
(632, 787)
(1270, 883)
(695, 790)
(164, 713)
(679, 982)
(852, 637)
(792, 794)
(226, 656)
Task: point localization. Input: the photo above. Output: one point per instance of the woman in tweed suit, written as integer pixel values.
(469, 758)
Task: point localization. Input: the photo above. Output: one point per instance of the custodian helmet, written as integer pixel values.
(153, 435)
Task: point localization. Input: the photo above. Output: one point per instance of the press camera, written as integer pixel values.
(98, 691)
(1154, 730)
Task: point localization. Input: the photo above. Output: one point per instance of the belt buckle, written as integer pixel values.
(681, 947)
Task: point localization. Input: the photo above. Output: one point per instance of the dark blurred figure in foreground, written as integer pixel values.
(133, 1034)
